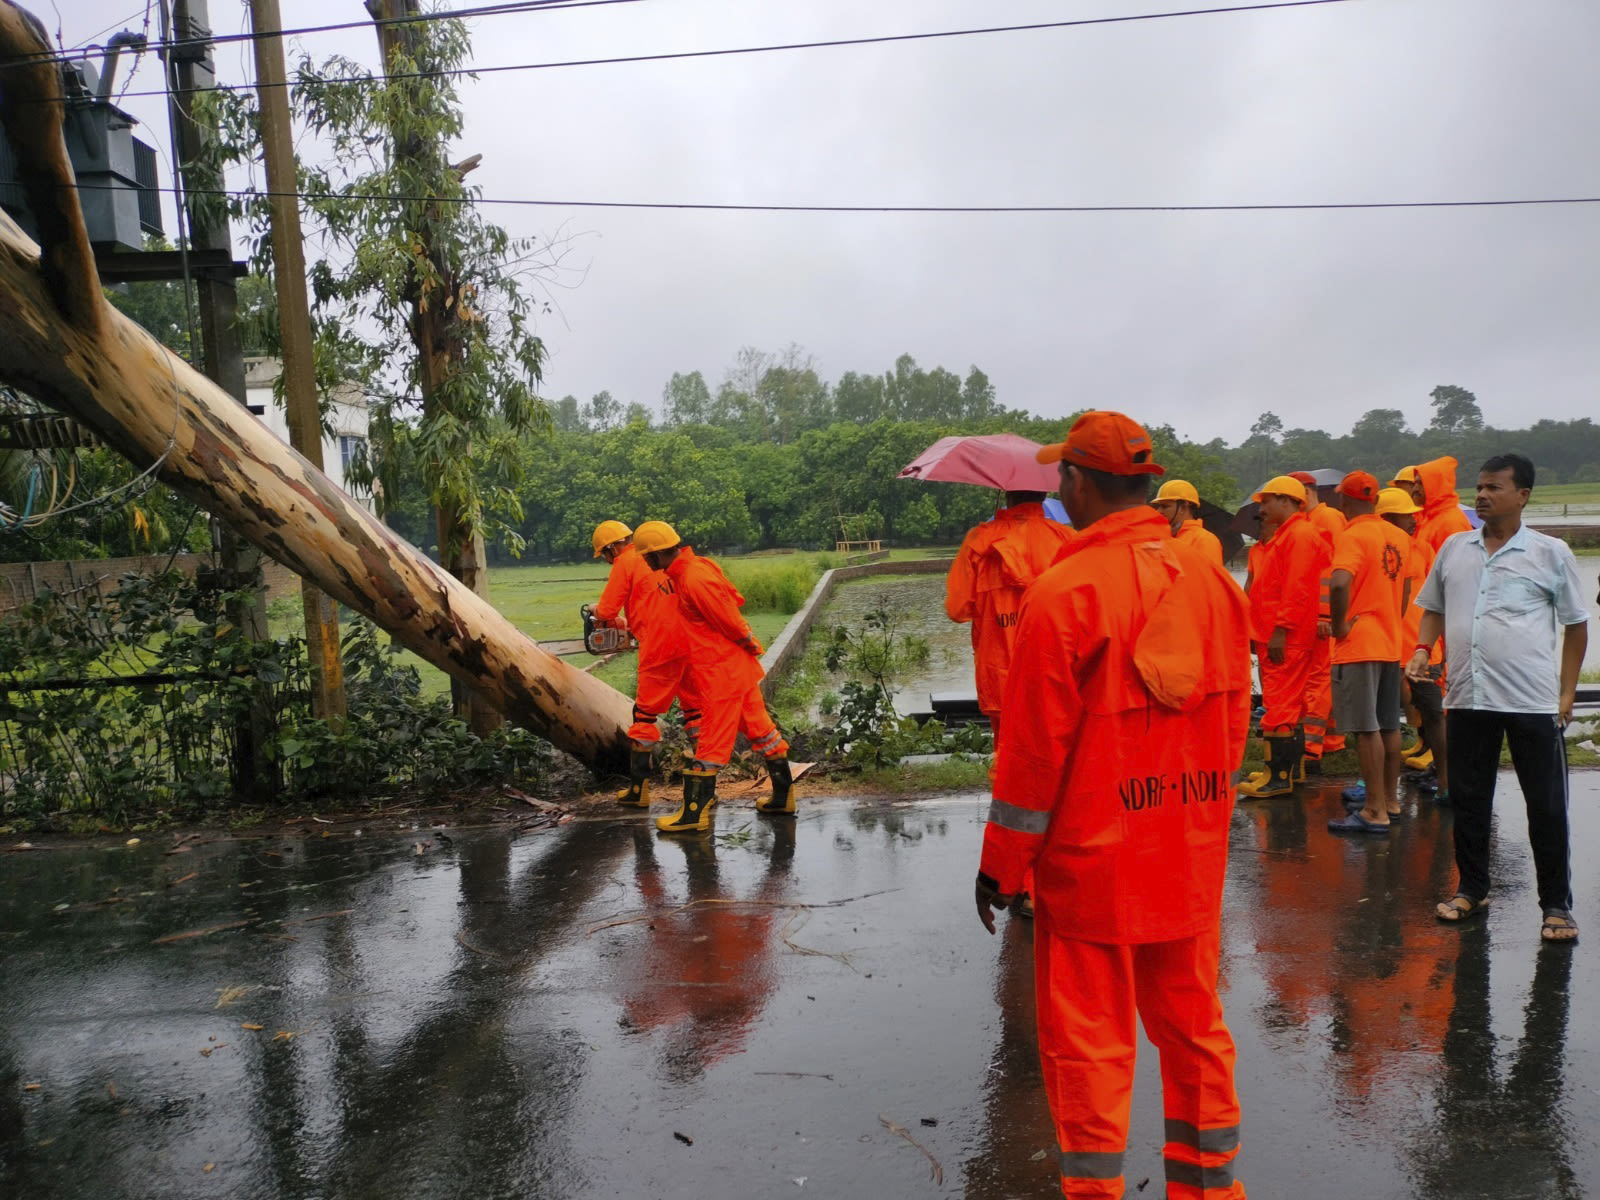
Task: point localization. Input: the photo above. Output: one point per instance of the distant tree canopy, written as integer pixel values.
(775, 456)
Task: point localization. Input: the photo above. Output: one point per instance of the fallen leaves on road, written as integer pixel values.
(238, 992)
(683, 1137)
(251, 1028)
(184, 879)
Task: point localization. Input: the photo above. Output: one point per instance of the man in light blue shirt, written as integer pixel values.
(1499, 595)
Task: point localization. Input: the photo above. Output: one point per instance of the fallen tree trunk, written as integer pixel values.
(62, 343)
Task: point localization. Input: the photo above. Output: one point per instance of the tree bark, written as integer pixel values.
(63, 344)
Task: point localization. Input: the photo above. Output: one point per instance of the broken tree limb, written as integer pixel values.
(63, 344)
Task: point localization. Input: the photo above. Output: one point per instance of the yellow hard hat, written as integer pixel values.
(1282, 485)
(1404, 475)
(607, 532)
(655, 535)
(1179, 489)
(1395, 500)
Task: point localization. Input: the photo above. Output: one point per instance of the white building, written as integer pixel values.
(347, 414)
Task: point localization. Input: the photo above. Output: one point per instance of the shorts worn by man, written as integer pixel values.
(1124, 725)
(725, 669)
(1367, 596)
(647, 600)
(1499, 594)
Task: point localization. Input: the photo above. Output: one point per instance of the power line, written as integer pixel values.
(911, 209)
(461, 14)
(832, 43)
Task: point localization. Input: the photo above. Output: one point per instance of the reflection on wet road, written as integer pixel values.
(543, 1016)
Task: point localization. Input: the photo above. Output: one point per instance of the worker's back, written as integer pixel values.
(996, 564)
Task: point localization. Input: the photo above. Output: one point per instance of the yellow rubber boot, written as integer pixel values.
(699, 795)
(1281, 754)
(1420, 762)
(637, 793)
(781, 802)
(1413, 749)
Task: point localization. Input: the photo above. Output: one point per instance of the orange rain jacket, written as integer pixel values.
(1441, 510)
(647, 597)
(1193, 533)
(1418, 565)
(996, 563)
(1328, 519)
(1122, 729)
(722, 649)
(1287, 594)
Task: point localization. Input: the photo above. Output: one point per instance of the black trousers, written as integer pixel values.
(1539, 756)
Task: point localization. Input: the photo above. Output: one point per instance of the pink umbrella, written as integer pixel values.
(996, 460)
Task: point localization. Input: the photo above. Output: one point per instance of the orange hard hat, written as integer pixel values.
(1397, 501)
(1179, 489)
(1282, 485)
(655, 535)
(607, 532)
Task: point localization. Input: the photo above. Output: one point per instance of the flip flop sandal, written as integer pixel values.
(1475, 908)
(1356, 823)
(1557, 919)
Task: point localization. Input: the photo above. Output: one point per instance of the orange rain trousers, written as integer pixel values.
(1288, 689)
(726, 717)
(1320, 735)
(1089, 996)
(660, 682)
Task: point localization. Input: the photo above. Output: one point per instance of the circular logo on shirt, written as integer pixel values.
(1391, 560)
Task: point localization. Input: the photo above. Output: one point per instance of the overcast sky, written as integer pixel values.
(1200, 320)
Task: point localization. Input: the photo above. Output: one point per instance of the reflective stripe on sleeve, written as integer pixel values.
(1017, 818)
(1211, 1141)
(1194, 1175)
(1091, 1164)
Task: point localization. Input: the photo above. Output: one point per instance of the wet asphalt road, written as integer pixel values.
(541, 1016)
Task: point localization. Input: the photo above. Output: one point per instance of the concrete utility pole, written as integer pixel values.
(430, 317)
(190, 68)
(294, 325)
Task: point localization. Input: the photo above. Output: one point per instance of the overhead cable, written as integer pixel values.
(832, 43)
(693, 206)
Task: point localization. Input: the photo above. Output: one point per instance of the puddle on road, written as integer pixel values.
(543, 1016)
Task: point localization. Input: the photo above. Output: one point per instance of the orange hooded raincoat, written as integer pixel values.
(724, 662)
(1193, 533)
(1123, 727)
(1441, 509)
(652, 606)
(996, 563)
(1290, 593)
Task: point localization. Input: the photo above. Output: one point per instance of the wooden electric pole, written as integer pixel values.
(294, 326)
(190, 69)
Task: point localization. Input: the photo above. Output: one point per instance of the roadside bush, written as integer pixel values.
(131, 705)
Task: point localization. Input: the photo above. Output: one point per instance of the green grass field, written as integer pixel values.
(543, 602)
(1547, 494)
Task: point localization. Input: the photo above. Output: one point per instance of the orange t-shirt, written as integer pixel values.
(1193, 533)
(1374, 552)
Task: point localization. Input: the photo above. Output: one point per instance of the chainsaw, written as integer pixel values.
(603, 639)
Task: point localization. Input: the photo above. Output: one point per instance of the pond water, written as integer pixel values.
(917, 605)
